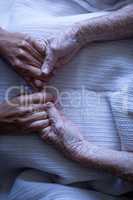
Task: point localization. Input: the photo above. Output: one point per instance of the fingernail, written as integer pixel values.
(49, 104)
(45, 71)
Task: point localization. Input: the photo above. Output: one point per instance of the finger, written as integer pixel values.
(27, 45)
(38, 84)
(30, 49)
(30, 60)
(42, 43)
(32, 83)
(26, 108)
(35, 116)
(51, 109)
(45, 132)
(49, 62)
(48, 135)
(54, 114)
(30, 70)
(40, 124)
(36, 98)
(27, 58)
(16, 114)
(31, 108)
(36, 45)
(44, 97)
(47, 78)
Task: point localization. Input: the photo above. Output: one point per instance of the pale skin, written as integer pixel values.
(24, 114)
(60, 132)
(67, 138)
(112, 26)
(25, 55)
(59, 51)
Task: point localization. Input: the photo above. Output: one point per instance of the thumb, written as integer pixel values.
(49, 62)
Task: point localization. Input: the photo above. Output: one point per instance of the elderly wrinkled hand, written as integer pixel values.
(60, 50)
(61, 132)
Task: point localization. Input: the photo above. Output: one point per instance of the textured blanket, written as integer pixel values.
(99, 84)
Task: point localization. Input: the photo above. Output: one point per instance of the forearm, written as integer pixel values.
(112, 26)
(118, 163)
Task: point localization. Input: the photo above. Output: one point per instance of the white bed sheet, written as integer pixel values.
(101, 69)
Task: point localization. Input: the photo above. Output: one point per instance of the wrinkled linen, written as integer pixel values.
(97, 80)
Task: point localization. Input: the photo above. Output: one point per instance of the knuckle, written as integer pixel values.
(27, 38)
(59, 127)
(21, 52)
(30, 126)
(47, 132)
(46, 136)
(23, 43)
(47, 122)
(16, 63)
(42, 44)
(53, 120)
(50, 139)
(23, 110)
(49, 105)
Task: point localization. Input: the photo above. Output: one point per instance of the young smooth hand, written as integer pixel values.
(25, 54)
(24, 114)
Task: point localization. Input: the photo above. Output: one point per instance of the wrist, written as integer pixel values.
(82, 35)
(75, 29)
(79, 150)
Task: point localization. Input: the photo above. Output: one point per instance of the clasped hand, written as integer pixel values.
(36, 60)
